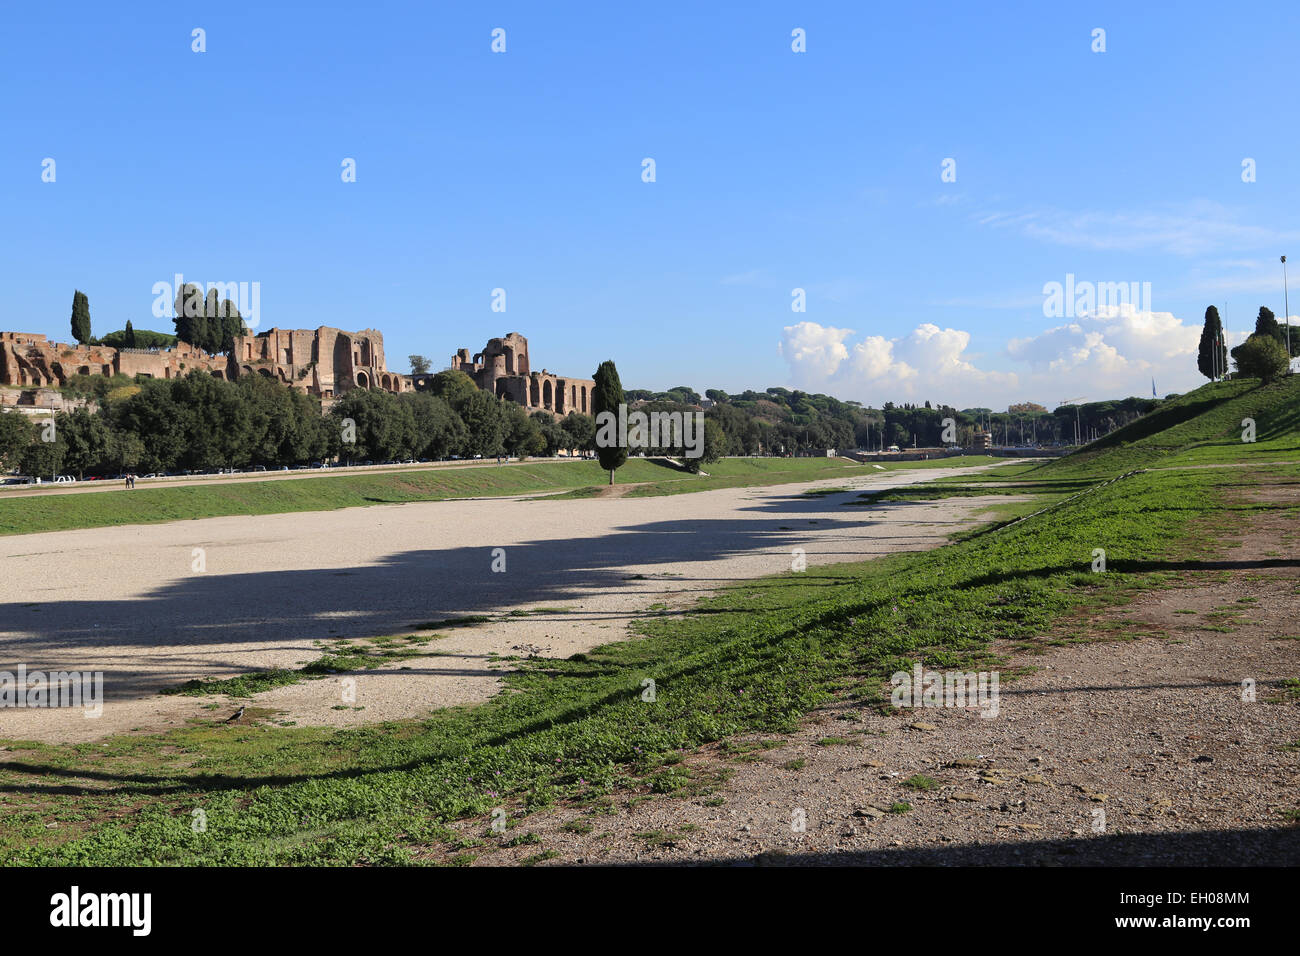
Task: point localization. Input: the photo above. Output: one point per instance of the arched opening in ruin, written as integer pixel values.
(363, 380)
(548, 396)
(584, 400)
(534, 393)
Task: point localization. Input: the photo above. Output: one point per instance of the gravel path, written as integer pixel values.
(130, 602)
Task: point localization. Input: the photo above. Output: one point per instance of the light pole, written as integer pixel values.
(1286, 307)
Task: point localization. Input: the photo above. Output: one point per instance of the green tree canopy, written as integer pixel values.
(453, 386)
(1261, 357)
(16, 434)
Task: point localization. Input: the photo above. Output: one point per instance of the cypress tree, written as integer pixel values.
(607, 396)
(1211, 365)
(128, 337)
(80, 317)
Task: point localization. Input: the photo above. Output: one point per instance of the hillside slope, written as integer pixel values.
(1203, 427)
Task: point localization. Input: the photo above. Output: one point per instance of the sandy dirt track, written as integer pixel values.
(128, 601)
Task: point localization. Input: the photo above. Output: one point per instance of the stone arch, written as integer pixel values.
(548, 395)
(584, 400)
(363, 380)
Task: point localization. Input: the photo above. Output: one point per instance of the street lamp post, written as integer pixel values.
(1286, 307)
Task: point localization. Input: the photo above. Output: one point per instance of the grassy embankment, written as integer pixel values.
(753, 660)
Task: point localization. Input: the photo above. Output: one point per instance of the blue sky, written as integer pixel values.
(775, 170)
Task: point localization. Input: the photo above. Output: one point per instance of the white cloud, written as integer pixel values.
(814, 351)
(928, 361)
(1113, 353)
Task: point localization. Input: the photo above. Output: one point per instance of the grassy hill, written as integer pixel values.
(1203, 427)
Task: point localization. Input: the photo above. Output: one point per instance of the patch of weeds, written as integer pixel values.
(538, 858)
(524, 839)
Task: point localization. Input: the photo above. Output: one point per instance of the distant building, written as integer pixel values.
(503, 369)
(325, 362)
(27, 359)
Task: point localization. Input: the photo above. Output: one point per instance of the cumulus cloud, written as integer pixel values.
(814, 351)
(1111, 353)
(918, 365)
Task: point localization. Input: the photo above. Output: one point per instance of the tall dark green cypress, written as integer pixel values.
(80, 317)
(607, 396)
(128, 337)
(1210, 364)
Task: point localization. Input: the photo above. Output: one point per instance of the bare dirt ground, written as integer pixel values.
(1131, 743)
(153, 606)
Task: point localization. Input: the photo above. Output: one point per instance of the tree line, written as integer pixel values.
(1266, 354)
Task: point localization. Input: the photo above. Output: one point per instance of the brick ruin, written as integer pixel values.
(502, 368)
(325, 362)
(29, 360)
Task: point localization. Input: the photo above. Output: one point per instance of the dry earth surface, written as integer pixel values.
(128, 600)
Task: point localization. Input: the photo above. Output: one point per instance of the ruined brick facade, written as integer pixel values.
(325, 362)
(33, 360)
(503, 369)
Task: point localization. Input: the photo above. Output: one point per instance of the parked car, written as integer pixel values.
(64, 480)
